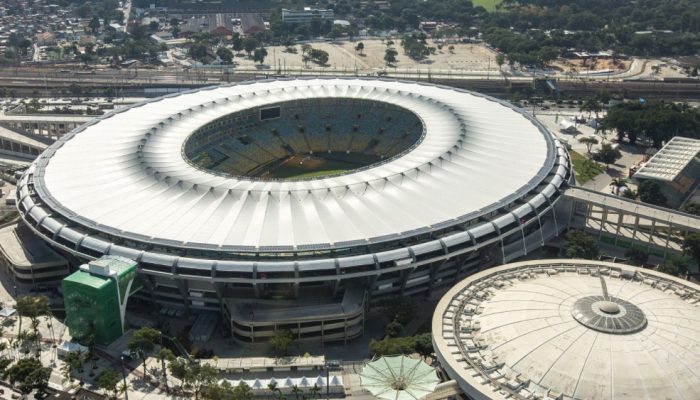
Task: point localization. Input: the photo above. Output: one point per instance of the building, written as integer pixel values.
(32, 264)
(306, 15)
(96, 295)
(570, 329)
(189, 191)
(676, 167)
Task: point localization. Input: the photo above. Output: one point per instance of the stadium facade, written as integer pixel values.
(419, 186)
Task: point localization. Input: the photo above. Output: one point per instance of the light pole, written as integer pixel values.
(126, 387)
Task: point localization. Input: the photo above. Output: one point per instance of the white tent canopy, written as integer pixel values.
(399, 378)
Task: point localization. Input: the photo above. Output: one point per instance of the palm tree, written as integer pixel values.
(618, 183)
(315, 390)
(165, 354)
(123, 388)
(296, 390)
(73, 362)
(272, 387)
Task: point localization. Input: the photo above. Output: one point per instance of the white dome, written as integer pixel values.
(519, 330)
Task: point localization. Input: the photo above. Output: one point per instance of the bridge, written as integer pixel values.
(629, 224)
(44, 125)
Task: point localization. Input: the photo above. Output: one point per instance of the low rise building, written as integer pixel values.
(306, 15)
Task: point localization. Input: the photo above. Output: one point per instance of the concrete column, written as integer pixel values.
(651, 232)
(603, 217)
(620, 216)
(636, 226)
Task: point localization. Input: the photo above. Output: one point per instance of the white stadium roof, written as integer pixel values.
(571, 328)
(124, 174)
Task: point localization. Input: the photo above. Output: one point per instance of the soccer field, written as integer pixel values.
(300, 167)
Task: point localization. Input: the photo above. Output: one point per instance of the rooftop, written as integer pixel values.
(571, 328)
(21, 248)
(471, 141)
(671, 160)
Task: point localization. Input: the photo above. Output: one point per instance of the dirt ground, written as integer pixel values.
(576, 65)
(342, 56)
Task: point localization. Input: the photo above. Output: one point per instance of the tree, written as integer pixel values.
(199, 376)
(335, 32)
(237, 43)
(296, 391)
(28, 374)
(393, 329)
(650, 192)
(225, 54)
(590, 105)
(319, 56)
(589, 141)
(390, 56)
(250, 44)
(73, 362)
(281, 340)
(142, 343)
(259, 55)
(608, 154)
(360, 47)
(691, 246)
(637, 256)
(198, 51)
(242, 392)
(33, 307)
(424, 345)
(222, 391)
(164, 355)
(94, 24)
(109, 381)
(677, 266)
(500, 59)
(580, 245)
(153, 26)
(692, 208)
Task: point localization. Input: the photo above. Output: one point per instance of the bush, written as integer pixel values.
(421, 344)
(581, 245)
(637, 256)
(393, 329)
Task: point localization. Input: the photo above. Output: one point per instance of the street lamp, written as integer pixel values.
(126, 387)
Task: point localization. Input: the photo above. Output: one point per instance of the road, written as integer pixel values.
(50, 82)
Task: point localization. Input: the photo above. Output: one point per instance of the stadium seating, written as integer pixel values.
(240, 143)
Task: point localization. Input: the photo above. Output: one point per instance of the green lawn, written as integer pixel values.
(489, 5)
(585, 168)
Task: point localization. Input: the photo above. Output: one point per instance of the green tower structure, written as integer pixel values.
(95, 298)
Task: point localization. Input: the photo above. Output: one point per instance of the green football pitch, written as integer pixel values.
(298, 167)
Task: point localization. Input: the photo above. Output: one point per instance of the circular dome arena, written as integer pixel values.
(571, 329)
(261, 188)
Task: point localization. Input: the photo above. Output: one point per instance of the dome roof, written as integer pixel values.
(580, 329)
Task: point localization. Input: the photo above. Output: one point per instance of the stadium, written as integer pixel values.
(294, 203)
(570, 329)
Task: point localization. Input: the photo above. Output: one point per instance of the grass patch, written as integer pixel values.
(489, 5)
(585, 168)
